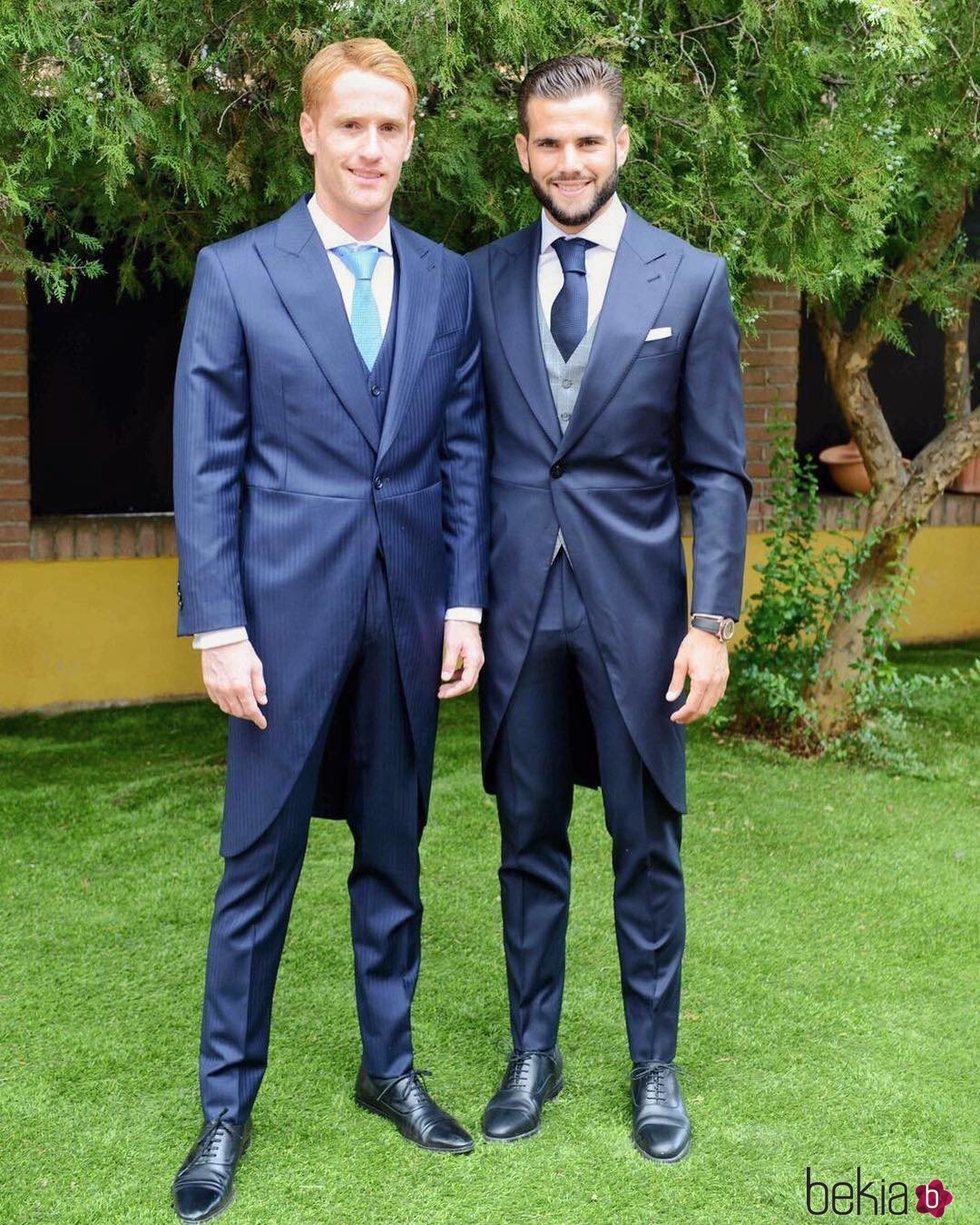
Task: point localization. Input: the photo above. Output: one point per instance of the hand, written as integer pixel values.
(704, 659)
(234, 681)
(462, 658)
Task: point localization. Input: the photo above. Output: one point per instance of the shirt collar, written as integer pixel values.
(605, 230)
(333, 235)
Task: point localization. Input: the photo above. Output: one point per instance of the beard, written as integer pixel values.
(604, 193)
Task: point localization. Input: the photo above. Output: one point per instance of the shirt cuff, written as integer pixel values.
(220, 638)
(475, 615)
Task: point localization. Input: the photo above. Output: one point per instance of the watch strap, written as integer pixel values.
(713, 623)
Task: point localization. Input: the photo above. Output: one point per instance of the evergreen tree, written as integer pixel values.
(831, 144)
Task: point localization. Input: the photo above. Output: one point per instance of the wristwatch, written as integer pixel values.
(721, 627)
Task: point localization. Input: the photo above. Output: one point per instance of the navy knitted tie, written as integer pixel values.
(570, 313)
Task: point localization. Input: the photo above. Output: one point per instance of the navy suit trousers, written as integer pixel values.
(534, 801)
(254, 898)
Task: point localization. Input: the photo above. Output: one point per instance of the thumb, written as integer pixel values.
(258, 683)
(676, 685)
(450, 658)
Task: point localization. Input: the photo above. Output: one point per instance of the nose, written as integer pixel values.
(371, 146)
(571, 163)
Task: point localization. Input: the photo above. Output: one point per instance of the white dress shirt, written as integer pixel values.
(605, 231)
(383, 286)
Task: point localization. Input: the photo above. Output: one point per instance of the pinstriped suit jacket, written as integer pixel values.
(284, 485)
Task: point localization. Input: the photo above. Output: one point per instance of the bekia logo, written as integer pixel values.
(873, 1197)
(933, 1198)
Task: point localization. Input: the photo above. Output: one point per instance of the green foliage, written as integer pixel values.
(803, 140)
(884, 737)
(787, 619)
(804, 590)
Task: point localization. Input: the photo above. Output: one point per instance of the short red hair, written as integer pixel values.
(367, 54)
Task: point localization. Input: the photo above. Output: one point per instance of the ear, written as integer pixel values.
(520, 140)
(622, 145)
(307, 131)
(411, 141)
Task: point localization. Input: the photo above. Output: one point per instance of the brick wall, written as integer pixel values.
(62, 537)
(771, 361)
(15, 493)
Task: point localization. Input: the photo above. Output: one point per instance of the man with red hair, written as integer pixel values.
(330, 498)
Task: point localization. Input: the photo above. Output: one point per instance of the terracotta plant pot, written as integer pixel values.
(968, 480)
(847, 468)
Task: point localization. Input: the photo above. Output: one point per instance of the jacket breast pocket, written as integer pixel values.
(665, 347)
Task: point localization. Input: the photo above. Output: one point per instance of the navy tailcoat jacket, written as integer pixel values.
(647, 408)
(286, 487)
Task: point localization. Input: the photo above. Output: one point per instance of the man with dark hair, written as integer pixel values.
(330, 497)
(609, 352)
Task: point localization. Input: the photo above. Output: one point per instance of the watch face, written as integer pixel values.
(726, 629)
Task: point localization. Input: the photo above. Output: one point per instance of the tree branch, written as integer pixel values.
(830, 330)
(892, 294)
(956, 357)
(936, 465)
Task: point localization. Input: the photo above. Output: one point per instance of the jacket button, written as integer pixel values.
(378, 482)
(375, 389)
(557, 469)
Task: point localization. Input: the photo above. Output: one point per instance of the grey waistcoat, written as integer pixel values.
(565, 379)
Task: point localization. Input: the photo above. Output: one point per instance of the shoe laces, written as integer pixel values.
(654, 1078)
(416, 1093)
(209, 1144)
(518, 1074)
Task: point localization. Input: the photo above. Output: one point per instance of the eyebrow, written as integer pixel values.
(537, 140)
(360, 117)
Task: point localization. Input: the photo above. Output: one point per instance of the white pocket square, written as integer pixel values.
(658, 334)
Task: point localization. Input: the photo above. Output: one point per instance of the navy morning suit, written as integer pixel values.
(579, 652)
(336, 513)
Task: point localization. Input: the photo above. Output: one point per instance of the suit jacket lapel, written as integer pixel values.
(419, 279)
(514, 284)
(300, 270)
(642, 274)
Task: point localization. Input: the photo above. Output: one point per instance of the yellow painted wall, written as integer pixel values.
(103, 631)
(945, 603)
(91, 631)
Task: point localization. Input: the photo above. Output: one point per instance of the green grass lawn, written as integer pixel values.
(829, 1008)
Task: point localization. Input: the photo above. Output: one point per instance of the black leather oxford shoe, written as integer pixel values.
(661, 1128)
(204, 1185)
(405, 1100)
(531, 1079)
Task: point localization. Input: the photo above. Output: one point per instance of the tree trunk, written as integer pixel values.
(848, 360)
(846, 646)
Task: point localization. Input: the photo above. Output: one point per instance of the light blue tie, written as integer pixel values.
(365, 322)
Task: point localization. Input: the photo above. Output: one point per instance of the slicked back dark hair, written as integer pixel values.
(569, 76)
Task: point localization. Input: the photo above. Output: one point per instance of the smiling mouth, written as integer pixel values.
(367, 176)
(570, 187)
